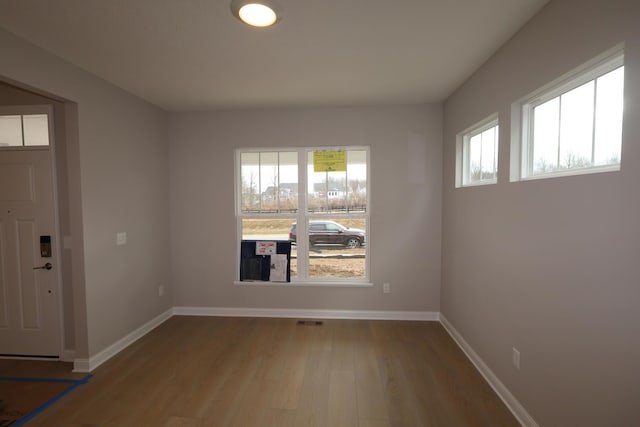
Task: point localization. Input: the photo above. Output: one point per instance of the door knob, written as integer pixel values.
(47, 266)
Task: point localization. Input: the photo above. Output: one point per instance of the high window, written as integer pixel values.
(24, 126)
(574, 126)
(478, 154)
(317, 198)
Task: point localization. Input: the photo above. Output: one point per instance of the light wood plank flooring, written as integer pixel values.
(207, 371)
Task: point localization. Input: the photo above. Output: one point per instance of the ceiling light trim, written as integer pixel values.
(237, 5)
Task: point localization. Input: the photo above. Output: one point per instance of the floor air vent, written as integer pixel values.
(310, 322)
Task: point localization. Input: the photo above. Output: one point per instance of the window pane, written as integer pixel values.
(266, 228)
(269, 182)
(488, 154)
(279, 179)
(609, 106)
(36, 129)
(576, 127)
(546, 128)
(480, 155)
(327, 190)
(475, 155)
(10, 131)
(337, 251)
(495, 153)
(357, 180)
(250, 182)
(338, 191)
(287, 195)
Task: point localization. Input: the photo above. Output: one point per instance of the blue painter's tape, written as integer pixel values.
(30, 415)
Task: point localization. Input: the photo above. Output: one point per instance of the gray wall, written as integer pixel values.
(118, 162)
(550, 266)
(405, 217)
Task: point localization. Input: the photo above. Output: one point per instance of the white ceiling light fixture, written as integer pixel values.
(257, 13)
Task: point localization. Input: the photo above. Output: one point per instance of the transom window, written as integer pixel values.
(24, 130)
(324, 189)
(575, 126)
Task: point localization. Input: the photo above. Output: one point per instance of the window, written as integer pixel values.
(23, 130)
(477, 154)
(326, 190)
(575, 125)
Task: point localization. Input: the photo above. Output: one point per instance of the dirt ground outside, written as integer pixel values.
(331, 263)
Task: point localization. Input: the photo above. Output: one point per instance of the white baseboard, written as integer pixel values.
(501, 390)
(88, 365)
(307, 314)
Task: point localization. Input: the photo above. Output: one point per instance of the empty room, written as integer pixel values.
(329, 213)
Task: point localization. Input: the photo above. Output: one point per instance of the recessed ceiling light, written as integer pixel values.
(258, 13)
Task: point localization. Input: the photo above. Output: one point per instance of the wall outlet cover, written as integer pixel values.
(121, 238)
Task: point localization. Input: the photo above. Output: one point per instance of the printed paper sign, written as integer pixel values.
(329, 161)
(265, 248)
(278, 268)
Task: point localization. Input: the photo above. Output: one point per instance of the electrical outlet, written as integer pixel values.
(386, 288)
(160, 290)
(121, 238)
(515, 358)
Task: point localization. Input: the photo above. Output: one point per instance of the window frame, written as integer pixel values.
(463, 143)
(303, 216)
(522, 148)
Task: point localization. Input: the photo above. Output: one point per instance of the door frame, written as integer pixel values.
(56, 244)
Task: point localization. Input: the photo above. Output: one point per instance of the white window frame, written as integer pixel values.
(463, 148)
(522, 146)
(303, 217)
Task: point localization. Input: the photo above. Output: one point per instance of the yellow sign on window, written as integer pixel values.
(330, 161)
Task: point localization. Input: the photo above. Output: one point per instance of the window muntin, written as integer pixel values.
(576, 125)
(332, 247)
(480, 154)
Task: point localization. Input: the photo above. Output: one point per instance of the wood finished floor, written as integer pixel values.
(207, 371)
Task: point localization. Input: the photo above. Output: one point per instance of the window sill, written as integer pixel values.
(478, 184)
(306, 284)
(573, 172)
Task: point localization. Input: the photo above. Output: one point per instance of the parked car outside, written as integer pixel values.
(330, 233)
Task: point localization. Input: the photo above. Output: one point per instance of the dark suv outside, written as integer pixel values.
(330, 233)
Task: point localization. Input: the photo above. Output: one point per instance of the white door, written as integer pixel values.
(29, 278)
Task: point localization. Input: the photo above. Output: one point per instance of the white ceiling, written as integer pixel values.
(193, 54)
